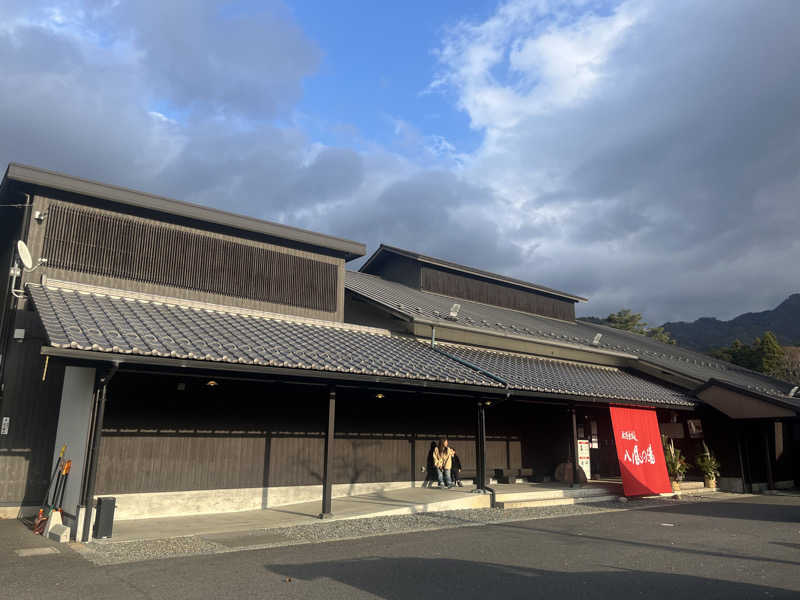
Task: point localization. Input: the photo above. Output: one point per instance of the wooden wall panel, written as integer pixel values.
(398, 268)
(157, 438)
(111, 245)
(160, 463)
(26, 453)
(506, 296)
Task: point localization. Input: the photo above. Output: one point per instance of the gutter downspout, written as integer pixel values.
(93, 451)
(482, 487)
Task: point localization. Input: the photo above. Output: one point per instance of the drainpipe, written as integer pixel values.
(93, 453)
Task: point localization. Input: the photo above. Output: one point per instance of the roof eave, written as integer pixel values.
(179, 364)
(467, 270)
(76, 185)
(746, 391)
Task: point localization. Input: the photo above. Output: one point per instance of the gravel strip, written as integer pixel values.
(106, 553)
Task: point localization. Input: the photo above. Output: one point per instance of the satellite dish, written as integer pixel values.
(24, 255)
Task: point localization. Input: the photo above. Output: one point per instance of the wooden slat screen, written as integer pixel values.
(109, 245)
(469, 288)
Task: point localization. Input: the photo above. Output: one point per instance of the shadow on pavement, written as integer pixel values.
(528, 526)
(778, 512)
(402, 578)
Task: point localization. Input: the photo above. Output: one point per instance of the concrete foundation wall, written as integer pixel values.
(164, 504)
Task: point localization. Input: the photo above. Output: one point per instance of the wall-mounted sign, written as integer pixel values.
(639, 451)
(4, 426)
(695, 427)
(584, 458)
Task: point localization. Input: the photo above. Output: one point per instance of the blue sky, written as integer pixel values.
(378, 60)
(641, 153)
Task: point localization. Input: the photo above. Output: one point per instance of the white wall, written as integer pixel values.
(73, 429)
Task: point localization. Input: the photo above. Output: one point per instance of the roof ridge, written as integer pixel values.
(71, 286)
(447, 264)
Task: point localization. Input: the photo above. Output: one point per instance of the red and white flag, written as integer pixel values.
(639, 450)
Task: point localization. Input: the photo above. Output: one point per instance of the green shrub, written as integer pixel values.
(708, 463)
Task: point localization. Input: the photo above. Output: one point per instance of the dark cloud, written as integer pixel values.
(677, 178)
(435, 213)
(211, 56)
(670, 187)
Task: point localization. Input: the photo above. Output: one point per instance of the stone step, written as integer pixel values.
(692, 485)
(554, 501)
(695, 491)
(567, 493)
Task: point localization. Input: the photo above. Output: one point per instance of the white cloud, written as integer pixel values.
(644, 154)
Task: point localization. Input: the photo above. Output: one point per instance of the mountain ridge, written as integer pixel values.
(707, 333)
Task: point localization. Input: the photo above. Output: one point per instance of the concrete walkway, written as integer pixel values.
(391, 502)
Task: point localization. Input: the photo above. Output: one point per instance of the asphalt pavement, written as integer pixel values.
(747, 547)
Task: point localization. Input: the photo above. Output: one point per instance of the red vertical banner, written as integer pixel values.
(639, 451)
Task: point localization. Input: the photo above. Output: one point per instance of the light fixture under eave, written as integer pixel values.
(211, 383)
(379, 396)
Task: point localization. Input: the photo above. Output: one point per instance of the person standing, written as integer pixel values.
(443, 460)
(455, 469)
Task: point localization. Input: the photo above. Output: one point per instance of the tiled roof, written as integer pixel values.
(111, 323)
(418, 304)
(525, 372)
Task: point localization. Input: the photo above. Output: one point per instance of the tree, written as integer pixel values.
(770, 355)
(791, 364)
(627, 320)
(764, 355)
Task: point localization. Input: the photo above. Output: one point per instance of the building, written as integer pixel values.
(196, 361)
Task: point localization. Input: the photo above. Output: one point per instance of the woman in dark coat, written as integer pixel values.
(455, 471)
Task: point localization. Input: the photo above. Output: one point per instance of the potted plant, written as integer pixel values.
(676, 464)
(709, 466)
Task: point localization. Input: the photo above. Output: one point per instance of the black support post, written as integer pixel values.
(480, 448)
(575, 482)
(768, 456)
(327, 476)
(741, 460)
(94, 452)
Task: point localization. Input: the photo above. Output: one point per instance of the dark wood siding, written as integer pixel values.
(358, 312)
(472, 288)
(397, 268)
(111, 245)
(237, 435)
(26, 453)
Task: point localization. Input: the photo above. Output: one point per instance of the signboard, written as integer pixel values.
(4, 426)
(695, 427)
(584, 460)
(639, 451)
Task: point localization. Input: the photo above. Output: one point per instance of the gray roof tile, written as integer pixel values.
(105, 323)
(525, 372)
(580, 333)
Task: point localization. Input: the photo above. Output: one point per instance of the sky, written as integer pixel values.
(640, 153)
